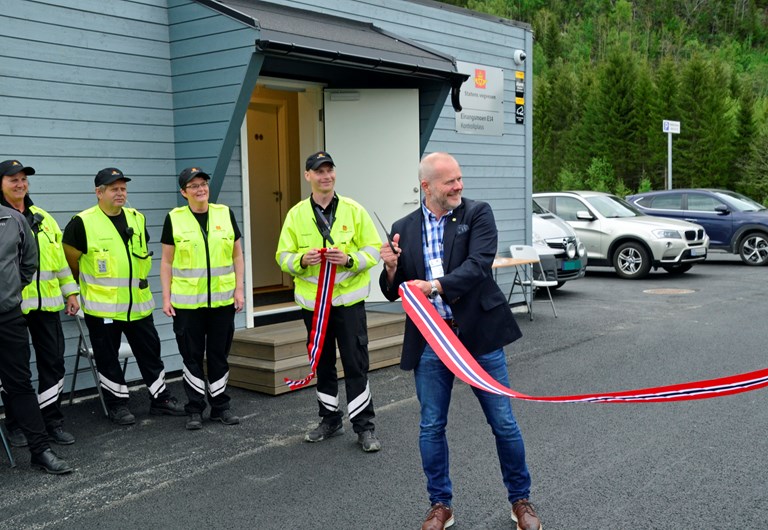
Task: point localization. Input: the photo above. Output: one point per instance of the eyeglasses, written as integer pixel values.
(195, 187)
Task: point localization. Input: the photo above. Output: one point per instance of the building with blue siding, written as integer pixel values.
(246, 89)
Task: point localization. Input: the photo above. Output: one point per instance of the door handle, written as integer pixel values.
(414, 201)
(278, 195)
(691, 220)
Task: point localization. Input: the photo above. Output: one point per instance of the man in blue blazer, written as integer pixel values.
(446, 248)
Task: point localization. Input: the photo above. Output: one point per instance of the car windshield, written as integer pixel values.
(612, 207)
(740, 202)
(538, 209)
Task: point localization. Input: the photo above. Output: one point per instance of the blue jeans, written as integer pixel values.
(434, 383)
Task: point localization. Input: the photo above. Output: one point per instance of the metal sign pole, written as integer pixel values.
(670, 127)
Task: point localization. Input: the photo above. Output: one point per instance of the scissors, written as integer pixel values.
(389, 239)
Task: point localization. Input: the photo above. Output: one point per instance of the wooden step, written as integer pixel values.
(261, 358)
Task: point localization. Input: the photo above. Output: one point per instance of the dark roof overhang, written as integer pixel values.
(342, 52)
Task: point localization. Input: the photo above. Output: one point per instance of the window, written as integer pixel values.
(702, 203)
(567, 207)
(672, 201)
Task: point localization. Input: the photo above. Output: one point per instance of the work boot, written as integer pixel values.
(120, 415)
(323, 431)
(225, 416)
(368, 441)
(167, 407)
(194, 421)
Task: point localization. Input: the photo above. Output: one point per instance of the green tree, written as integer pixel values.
(703, 152)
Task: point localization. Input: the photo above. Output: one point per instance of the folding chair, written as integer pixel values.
(7, 447)
(84, 349)
(527, 277)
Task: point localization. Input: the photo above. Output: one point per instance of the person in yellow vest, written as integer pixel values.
(106, 248)
(51, 290)
(202, 277)
(325, 219)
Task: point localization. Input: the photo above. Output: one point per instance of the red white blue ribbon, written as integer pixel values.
(320, 318)
(455, 356)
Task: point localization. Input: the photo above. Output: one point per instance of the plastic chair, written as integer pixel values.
(527, 278)
(84, 349)
(7, 447)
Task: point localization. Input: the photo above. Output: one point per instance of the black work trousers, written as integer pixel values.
(205, 334)
(142, 336)
(347, 327)
(48, 342)
(16, 379)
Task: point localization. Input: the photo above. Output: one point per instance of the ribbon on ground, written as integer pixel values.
(455, 356)
(320, 318)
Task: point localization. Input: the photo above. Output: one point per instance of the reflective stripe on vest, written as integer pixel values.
(203, 270)
(53, 282)
(111, 274)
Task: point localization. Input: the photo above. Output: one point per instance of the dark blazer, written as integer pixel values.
(479, 307)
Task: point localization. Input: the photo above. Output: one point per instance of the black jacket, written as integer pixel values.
(479, 307)
(18, 258)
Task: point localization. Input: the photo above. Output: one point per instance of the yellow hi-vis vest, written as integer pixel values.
(353, 232)
(53, 281)
(113, 276)
(203, 269)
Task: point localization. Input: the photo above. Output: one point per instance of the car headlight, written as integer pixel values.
(581, 249)
(667, 234)
(570, 250)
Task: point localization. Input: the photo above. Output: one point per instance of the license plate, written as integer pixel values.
(698, 251)
(571, 265)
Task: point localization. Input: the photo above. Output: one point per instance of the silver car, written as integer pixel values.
(563, 256)
(617, 234)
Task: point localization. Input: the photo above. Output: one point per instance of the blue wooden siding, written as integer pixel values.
(92, 85)
(214, 71)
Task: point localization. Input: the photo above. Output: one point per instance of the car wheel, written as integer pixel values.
(753, 249)
(631, 261)
(679, 268)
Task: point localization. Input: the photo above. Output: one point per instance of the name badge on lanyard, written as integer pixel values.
(436, 267)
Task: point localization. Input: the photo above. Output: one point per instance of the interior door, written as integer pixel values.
(266, 192)
(373, 136)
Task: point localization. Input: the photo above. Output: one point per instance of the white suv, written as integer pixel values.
(617, 234)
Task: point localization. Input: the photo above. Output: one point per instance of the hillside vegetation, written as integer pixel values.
(606, 73)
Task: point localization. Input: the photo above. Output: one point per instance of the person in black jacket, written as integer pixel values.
(446, 248)
(18, 263)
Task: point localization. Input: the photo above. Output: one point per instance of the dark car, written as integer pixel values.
(734, 222)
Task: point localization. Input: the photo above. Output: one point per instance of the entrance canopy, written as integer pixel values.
(346, 53)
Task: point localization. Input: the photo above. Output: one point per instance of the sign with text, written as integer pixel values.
(671, 127)
(482, 100)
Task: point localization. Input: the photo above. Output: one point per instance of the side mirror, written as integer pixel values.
(584, 215)
(722, 209)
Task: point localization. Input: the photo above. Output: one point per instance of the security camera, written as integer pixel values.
(519, 57)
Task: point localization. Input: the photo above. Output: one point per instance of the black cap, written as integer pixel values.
(189, 173)
(316, 160)
(11, 167)
(108, 175)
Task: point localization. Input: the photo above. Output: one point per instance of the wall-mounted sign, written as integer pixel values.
(519, 97)
(482, 100)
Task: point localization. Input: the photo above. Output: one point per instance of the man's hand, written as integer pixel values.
(336, 256)
(389, 254)
(73, 306)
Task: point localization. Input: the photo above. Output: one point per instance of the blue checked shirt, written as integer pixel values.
(432, 245)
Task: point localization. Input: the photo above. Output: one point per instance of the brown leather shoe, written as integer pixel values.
(525, 516)
(439, 517)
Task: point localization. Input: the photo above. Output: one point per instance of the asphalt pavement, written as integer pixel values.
(688, 465)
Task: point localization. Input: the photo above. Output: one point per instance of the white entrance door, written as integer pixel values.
(373, 136)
